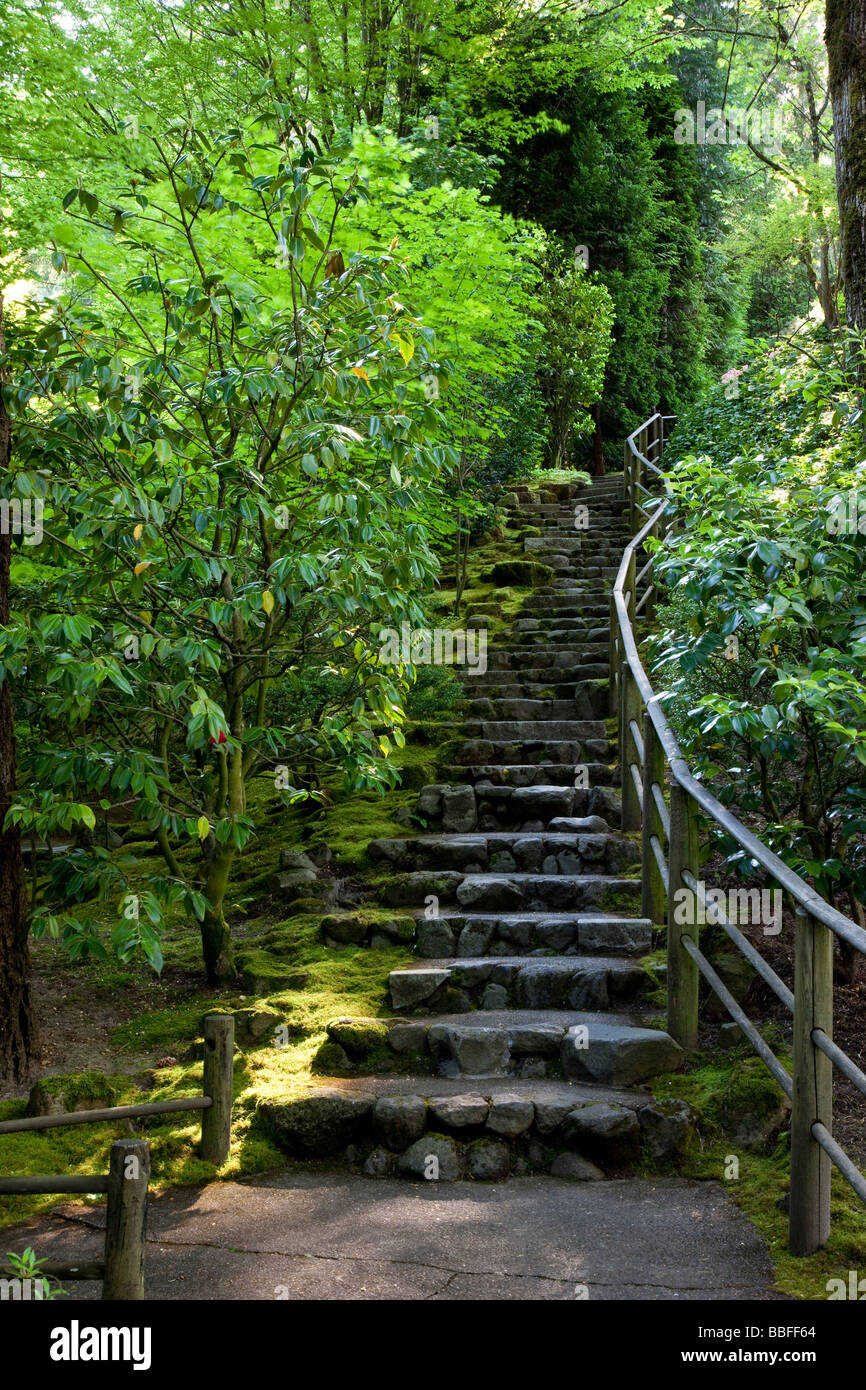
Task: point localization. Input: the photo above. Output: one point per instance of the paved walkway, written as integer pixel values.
(331, 1236)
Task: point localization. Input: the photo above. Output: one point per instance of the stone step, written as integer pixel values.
(543, 657)
(511, 852)
(443, 1129)
(520, 751)
(518, 982)
(491, 892)
(533, 775)
(541, 731)
(569, 605)
(490, 707)
(528, 675)
(538, 934)
(582, 1045)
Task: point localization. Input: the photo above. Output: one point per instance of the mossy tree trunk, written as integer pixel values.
(845, 36)
(216, 939)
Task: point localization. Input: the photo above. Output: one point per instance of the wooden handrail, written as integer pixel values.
(653, 759)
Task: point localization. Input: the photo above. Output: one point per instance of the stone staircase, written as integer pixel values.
(521, 1031)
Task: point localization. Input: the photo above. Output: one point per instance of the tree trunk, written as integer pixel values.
(216, 937)
(18, 1035)
(598, 443)
(845, 36)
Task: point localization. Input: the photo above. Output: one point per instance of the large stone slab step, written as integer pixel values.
(487, 892)
(442, 1129)
(531, 774)
(511, 852)
(538, 934)
(519, 982)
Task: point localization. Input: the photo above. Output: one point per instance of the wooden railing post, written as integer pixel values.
(652, 888)
(613, 660)
(216, 1122)
(812, 1101)
(630, 709)
(683, 973)
(125, 1219)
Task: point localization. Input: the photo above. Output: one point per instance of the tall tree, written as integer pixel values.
(17, 1019)
(845, 36)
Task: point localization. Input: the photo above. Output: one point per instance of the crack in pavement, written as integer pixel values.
(452, 1273)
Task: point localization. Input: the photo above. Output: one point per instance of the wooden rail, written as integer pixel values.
(653, 768)
(126, 1183)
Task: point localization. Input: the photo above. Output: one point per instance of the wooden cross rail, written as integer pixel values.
(126, 1182)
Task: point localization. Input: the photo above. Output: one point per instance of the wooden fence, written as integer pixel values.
(661, 798)
(126, 1183)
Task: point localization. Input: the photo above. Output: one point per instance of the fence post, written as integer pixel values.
(630, 703)
(683, 974)
(652, 887)
(216, 1123)
(125, 1219)
(809, 1224)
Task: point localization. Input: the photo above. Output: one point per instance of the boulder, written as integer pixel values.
(399, 1120)
(510, 1115)
(459, 1112)
(617, 1054)
(408, 1037)
(409, 987)
(476, 1051)
(666, 1126)
(56, 1095)
(577, 1168)
(458, 809)
(294, 859)
(436, 939)
(317, 1125)
(609, 1133)
(435, 1157)
(380, 1164)
(357, 1035)
(345, 930)
(488, 1160)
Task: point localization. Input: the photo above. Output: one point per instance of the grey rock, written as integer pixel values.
(575, 1167)
(430, 801)
(581, 825)
(408, 1037)
(320, 1124)
(476, 1051)
(544, 802)
(494, 997)
(380, 1164)
(292, 859)
(458, 1112)
(666, 1126)
(607, 803)
(730, 1035)
(510, 1115)
(621, 855)
(458, 809)
(391, 851)
(345, 930)
(550, 1114)
(293, 882)
(536, 1039)
(435, 939)
(435, 1158)
(410, 987)
(482, 890)
(488, 1160)
(618, 1054)
(475, 938)
(399, 1120)
(609, 1133)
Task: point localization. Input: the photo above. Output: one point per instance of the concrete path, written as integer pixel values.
(329, 1236)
